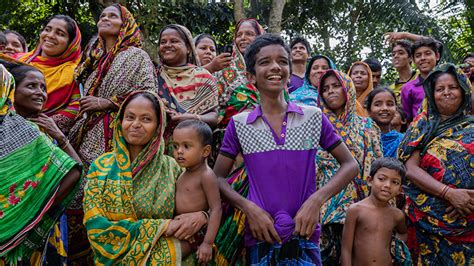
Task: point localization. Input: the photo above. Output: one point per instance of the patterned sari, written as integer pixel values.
(63, 94)
(111, 75)
(308, 94)
(360, 104)
(446, 154)
(129, 204)
(28, 188)
(362, 137)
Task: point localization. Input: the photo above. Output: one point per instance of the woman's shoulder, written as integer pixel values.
(134, 52)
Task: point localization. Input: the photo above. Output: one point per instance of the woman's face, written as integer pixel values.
(173, 49)
(139, 122)
(245, 36)
(360, 76)
(383, 108)
(447, 95)
(13, 45)
(333, 94)
(30, 94)
(54, 38)
(317, 69)
(110, 22)
(206, 51)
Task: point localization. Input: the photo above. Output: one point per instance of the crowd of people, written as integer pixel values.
(264, 154)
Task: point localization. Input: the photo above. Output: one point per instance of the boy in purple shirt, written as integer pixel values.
(278, 141)
(300, 51)
(426, 54)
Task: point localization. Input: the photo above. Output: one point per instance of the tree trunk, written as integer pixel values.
(239, 12)
(274, 21)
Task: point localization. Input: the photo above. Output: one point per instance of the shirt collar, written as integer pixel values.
(257, 112)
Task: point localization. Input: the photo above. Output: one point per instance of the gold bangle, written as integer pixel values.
(206, 215)
(443, 191)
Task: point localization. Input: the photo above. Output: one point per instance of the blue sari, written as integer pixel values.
(390, 142)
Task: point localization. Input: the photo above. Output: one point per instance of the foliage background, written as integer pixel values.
(344, 30)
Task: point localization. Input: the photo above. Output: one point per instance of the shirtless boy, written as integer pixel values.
(197, 188)
(371, 222)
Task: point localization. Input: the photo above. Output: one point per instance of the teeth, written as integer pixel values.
(275, 77)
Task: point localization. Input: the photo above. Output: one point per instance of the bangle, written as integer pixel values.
(198, 117)
(206, 215)
(443, 191)
(62, 145)
(99, 105)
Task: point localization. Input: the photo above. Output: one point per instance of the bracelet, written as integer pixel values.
(443, 191)
(206, 215)
(99, 105)
(198, 117)
(62, 145)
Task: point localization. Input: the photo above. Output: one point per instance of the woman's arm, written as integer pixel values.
(208, 118)
(401, 227)
(67, 184)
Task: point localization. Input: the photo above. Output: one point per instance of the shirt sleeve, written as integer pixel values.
(329, 137)
(230, 144)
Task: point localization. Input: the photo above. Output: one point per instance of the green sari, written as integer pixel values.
(129, 204)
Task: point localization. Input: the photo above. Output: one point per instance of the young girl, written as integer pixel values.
(381, 106)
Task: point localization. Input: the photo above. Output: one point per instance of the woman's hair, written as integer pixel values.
(389, 163)
(203, 36)
(372, 94)
(70, 25)
(253, 23)
(260, 42)
(20, 38)
(406, 45)
(181, 33)
(147, 95)
(3, 39)
(203, 130)
(19, 71)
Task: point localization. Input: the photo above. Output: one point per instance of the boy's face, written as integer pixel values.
(386, 184)
(272, 69)
(376, 76)
(299, 53)
(425, 59)
(400, 57)
(188, 149)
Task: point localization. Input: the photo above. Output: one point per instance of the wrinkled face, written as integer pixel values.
(110, 22)
(206, 51)
(360, 76)
(188, 149)
(376, 76)
(13, 45)
(447, 95)
(272, 69)
(383, 108)
(139, 122)
(245, 36)
(54, 38)
(299, 53)
(333, 94)
(30, 94)
(386, 184)
(317, 69)
(400, 57)
(425, 59)
(173, 49)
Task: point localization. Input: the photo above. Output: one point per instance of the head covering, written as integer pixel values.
(58, 73)
(307, 93)
(361, 98)
(7, 90)
(236, 93)
(133, 197)
(188, 39)
(97, 58)
(427, 125)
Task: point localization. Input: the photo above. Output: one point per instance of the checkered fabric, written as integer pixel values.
(15, 132)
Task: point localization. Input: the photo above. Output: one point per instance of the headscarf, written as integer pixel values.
(233, 78)
(7, 90)
(190, 88)
(58, 72)
(361, 99)
(427, 125)
(134, 201)
(98, 58)
(360, 134)
(307, 93)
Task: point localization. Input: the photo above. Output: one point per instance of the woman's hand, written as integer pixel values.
(177, 117)
(50, 127)
(94, 104)
(261, 224)
(186, 225)
(219, 62)
(461, 199)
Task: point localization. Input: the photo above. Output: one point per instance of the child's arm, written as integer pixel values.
(401, 227)
(348, 236)
(211, 189)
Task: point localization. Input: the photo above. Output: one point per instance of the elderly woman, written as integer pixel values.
(37, 177)
(57, 55)
(437, 151)
(361, 75)
(111, 68)
(130, 194)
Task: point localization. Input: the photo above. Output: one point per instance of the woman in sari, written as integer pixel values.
(206, 49)
(16, 43)
(337, 99)
(189, 91)
(57, 54)
(130, 192)
(308, 93)
(113, 67)
(33, 192)
(361, 75)
(438, 153)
